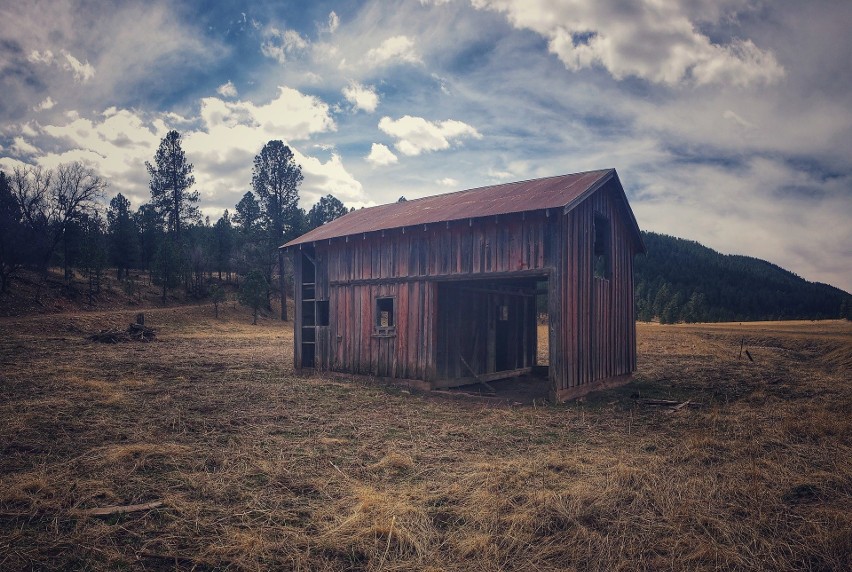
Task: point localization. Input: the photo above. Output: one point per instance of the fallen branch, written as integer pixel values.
(108, 510)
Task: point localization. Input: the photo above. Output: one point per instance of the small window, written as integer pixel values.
(322, 312)
(602, 250)
(385, 313)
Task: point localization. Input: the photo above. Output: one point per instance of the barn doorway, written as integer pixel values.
(487, 330)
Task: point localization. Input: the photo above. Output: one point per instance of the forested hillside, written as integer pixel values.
(683, 281)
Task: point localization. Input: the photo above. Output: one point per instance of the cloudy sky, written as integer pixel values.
(729, 121)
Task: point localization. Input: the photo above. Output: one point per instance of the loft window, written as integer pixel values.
(385, 319)
(603, 247)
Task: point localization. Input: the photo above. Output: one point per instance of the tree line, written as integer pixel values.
(681, 280)
(58, 217)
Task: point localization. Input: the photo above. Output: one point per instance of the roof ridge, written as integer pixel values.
(492, 187)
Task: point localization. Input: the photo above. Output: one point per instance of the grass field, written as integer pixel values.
(259, 468)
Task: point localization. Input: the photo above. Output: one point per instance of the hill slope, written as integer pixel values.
(682, 280)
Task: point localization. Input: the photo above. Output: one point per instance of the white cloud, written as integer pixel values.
(280, 45)
(291, 115)
(45, 57)
(415, 135)
(83, 72)
(48, 103)
(393, 49)
(21, 147)
(380, 155)
(30, 129)
(227, 89)
(117, 144)
(652, 40)
(363, 97)
(327, 178)
(333, 22)
(448, 182)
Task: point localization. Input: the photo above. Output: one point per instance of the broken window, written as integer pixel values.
(603, 248)
(385, 313)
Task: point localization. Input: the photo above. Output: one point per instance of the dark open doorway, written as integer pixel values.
(487, 330)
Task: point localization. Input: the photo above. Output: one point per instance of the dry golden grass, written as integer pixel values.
(262, 469)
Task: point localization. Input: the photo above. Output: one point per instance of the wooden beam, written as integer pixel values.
(538, 273)
(487, 377)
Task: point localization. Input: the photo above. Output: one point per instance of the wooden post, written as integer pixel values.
(282, 285)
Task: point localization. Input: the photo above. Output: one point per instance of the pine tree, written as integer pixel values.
(171, 180)
(12, 234)
(325, 210)
(123, 246)
(275, 179)
(254, 292)
(223, 234)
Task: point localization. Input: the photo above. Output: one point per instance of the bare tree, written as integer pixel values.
(76, 190)
(31, 187)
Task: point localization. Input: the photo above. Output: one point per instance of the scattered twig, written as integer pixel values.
(672, 404)
(108, 510)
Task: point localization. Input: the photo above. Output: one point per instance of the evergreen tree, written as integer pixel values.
(217, 296)
(12, 234)
(121, 229)
(223, 244)
(254, 292)
(171, 181)
(248, 214)
(167, 266)
(149, 234)
(325, 210)
(93, 252)
(275, 179)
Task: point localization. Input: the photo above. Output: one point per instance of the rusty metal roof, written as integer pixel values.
(563, 191)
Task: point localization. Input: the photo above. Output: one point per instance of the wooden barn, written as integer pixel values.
(443, 291)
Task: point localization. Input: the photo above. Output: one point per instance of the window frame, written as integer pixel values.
(377, 308)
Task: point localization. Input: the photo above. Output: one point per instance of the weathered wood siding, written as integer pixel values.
(406, 265)
(591, 318)
(591, 329)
